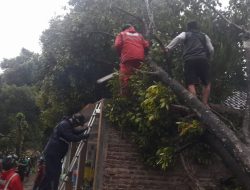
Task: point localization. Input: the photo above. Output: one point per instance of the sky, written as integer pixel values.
(22, 23)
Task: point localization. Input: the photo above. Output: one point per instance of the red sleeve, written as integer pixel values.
(16, 183)
(118, 43)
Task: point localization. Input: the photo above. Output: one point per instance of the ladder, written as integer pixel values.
(96, 111)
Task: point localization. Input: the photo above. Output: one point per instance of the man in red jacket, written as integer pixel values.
(131, 47)
(10, 180)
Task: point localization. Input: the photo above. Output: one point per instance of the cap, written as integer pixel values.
(8, 163)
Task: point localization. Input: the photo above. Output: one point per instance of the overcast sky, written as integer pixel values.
(22, 23)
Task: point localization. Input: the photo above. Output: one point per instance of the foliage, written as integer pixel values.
(187, 128)
(13, 100)
(146, 117)
(165, 157)
(20, 131)
(16, 100)
(21, 70)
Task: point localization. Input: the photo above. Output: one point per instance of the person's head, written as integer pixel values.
(77, 119)
(8, 163)
(126, 26)
(192, 25)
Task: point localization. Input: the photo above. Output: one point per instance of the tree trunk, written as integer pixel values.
(227, 138)
(228, 160)
(18, 139)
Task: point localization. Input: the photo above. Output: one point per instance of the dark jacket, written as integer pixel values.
(195, 46)
(59, 141)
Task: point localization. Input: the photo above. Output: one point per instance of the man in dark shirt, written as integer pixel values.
(57, 147)
(197, 51)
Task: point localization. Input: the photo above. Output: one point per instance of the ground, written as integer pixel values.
(28, 182)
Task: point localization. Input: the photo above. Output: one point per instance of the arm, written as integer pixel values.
(178, 39)
(209, 46)
(67, 132)
(80, 129)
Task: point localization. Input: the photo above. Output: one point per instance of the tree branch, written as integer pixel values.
(151, 27)
(103, 33)
(190, 173)
(226, 110)
(242, 29)
(128, 13)
(147, 72)
(213, 124)
(246, 35)
(132, 15)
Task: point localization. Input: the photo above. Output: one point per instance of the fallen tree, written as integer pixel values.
(229, 146)
(234, 152)
(224, 141)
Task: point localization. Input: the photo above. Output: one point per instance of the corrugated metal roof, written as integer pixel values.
(237, 100)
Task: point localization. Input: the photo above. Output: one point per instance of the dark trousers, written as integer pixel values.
(53, 167)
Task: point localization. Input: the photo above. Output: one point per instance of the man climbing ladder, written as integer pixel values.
(91, 121)
(57, 147)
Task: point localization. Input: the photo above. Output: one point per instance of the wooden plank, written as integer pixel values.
(100, 152)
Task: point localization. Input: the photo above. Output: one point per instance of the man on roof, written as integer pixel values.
(197, 51)
(131, 47)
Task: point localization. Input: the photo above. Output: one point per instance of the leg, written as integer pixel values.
(190, 76)
(206, 93)
(126, 70)
(204, 76)
(123, 78)
(51, 177)
(123, 84)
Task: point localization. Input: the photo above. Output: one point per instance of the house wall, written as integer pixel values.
(122, 169)
(118, 165)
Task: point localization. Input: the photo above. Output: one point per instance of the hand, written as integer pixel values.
(84, 136)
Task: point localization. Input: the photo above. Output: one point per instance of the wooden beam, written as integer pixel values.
(100, 151)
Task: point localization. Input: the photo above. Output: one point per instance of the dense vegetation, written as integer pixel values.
(77, 50)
